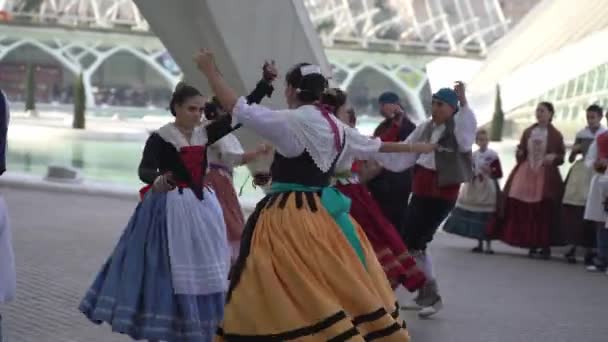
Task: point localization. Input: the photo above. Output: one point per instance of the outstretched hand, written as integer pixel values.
(205, 61)
(424, 147)
(163, 183)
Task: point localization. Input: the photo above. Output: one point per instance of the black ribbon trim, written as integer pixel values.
(285, 336)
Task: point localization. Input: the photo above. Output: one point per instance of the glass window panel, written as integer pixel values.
(580, 85)
(571, 86)
(601, 78)
(561, 91)
(590, 83)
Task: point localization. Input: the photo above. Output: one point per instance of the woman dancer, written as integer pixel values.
(577, 230)
(398, 264)
(534, 188)
(305, 269)
(224, 156)
(167, 277)
(476, 204)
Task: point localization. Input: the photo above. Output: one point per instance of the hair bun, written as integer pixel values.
(180, 85)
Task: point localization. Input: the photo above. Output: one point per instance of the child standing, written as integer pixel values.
(578, 231)
(597, 158)
(477, 201)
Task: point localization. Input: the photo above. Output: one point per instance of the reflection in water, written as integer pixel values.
(27, 162)
(77, 155)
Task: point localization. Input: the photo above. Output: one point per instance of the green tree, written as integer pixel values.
(30, 89)
(79, 104)
(498, 120)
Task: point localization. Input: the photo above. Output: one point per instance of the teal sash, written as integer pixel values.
(336, 204)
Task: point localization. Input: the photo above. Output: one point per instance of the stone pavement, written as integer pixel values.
(62, 239)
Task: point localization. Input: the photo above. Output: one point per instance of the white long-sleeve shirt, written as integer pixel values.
(465, 130)
(294, 131)
(592, 152)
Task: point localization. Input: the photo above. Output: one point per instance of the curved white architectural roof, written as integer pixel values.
(438, 26)
(557, 41)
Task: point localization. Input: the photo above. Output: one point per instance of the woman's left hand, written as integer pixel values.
(549, 159)
(205, 61)
(264, 149)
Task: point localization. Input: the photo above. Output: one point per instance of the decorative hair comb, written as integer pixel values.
(310, 70)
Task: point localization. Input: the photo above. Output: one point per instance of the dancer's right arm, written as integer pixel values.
(394, 156)
(149, 167)
(270, 124)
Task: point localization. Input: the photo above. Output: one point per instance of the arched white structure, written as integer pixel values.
(450, 26)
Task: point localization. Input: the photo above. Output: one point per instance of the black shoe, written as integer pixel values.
(571, 256)
(489, 251)
(532, 253)
(545, 253)
(477, 250)
(589, 258)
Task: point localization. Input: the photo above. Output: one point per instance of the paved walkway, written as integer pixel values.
(62, 239)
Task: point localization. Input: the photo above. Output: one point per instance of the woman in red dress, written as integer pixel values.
(534, 189)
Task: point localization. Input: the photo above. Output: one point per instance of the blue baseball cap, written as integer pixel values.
(448, 96)
(389, 97)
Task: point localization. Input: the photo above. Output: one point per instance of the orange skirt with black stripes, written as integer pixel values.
(298, 279)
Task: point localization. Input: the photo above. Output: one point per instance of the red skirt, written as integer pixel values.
(398, 264)
(226, 195)
(528, 225)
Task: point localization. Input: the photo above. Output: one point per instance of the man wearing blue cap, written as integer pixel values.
(392, 189)
(437, 178)
(7, 259)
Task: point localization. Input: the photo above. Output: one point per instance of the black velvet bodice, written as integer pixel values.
(301, 170)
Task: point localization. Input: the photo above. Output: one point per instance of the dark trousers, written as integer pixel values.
(602, 245)
(423, 218)
(391, 190)
(394, 210)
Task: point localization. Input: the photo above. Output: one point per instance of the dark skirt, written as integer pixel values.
(530, 225)
(575, 229)
(469, 224)
(399, 265)
(133, 292)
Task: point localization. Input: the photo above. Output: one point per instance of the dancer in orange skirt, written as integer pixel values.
(306, 271)
(398, 264)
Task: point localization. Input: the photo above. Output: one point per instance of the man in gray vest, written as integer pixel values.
(436, 180)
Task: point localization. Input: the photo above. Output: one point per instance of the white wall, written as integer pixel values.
(242, 33)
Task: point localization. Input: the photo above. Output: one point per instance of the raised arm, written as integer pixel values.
(224, 93)
(271, 125)
(465, 123)
(264, 87)
(465, 128)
